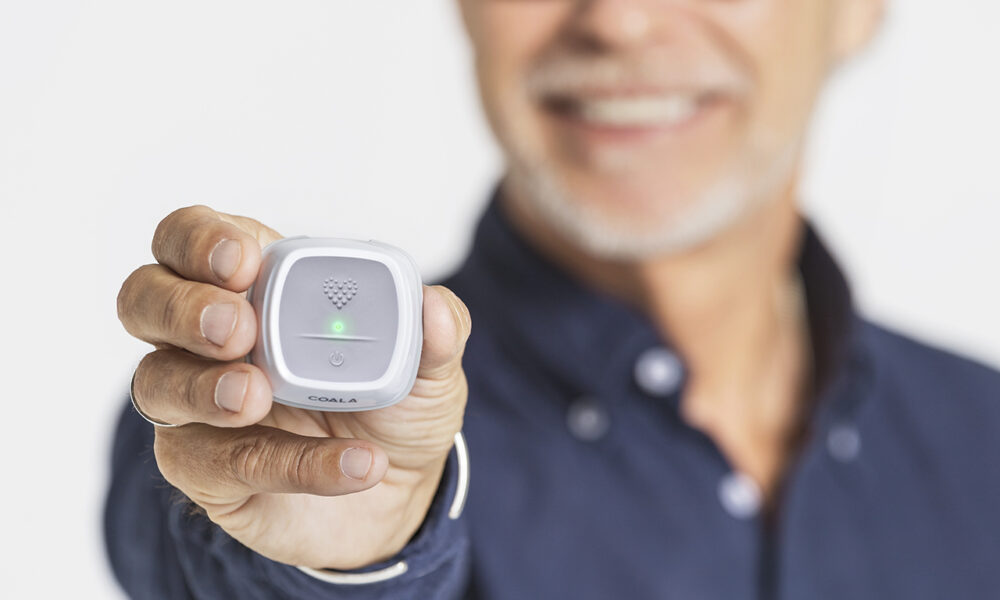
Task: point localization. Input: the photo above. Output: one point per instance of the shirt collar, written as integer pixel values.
(588, 340)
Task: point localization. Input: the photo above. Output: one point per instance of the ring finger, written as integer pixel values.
(177, 387)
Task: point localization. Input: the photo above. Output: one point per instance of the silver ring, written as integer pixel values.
(131, 396)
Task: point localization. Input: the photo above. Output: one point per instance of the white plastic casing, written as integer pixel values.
(290, 357)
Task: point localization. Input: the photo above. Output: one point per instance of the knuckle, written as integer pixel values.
(250, 458)
(261, 458)
(302, 465)
(177, 304)
(190, 376)
(123, 301)
(164, 237)
(175, 234)
(462, 386)
(199, 389)
(444, 385)
(459, 389)
(128, 294)
(463, 397)
(453, 368)
(161, 234)
(163, 386)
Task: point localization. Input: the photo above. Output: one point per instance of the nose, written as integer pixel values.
(623, 24)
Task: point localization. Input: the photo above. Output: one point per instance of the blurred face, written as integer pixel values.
(642, 127)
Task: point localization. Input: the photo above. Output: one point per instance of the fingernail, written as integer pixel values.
(225, 258)
(466, 319)
(218, 322)
(230, 391)
(355, 462)
(452, 300)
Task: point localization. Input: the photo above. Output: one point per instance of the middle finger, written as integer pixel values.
(156, 305)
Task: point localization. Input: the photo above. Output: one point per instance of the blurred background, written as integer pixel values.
(360, 120)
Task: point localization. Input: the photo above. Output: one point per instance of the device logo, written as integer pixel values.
(339, 291)
(334, 400)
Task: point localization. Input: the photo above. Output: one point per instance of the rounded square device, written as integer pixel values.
(339, 322)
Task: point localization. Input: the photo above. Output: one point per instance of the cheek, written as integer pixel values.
(786, 44)
(508, 37)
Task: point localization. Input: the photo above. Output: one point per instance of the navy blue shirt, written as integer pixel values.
(587, 483)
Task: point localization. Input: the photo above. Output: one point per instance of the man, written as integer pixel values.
(670, 392)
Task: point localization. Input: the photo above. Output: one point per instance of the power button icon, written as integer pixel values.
(337, 358)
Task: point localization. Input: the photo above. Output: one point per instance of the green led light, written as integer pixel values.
(338, 326)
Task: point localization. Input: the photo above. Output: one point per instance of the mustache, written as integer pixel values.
(567, 75)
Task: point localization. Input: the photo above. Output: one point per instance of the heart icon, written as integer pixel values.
(340, 291)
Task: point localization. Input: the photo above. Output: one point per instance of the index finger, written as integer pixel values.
(201, 244)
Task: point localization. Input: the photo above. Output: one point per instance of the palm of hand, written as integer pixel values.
(320, 530)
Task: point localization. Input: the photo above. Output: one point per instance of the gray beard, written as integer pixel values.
(719, 207)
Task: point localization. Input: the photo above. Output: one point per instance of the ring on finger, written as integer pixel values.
(131, 396)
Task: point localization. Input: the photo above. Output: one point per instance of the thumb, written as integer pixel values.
(447, 326)
(216, 465)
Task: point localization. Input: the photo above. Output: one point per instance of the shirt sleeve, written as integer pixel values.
(162, 547)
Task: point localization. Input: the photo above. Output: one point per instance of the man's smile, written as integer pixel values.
(617, 118)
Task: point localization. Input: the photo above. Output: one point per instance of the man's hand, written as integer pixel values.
(335, 490)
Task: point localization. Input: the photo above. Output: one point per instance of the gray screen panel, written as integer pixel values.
(357, 293)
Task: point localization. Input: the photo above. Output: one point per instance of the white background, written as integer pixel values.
(360, 119)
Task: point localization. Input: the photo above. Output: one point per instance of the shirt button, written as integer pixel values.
(587, 420)
(658, 371)
(843, 442)
(740, 495)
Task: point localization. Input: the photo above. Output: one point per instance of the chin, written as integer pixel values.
(623, 221)
(635, 205)
(643, 207)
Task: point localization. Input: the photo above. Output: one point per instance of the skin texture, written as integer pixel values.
(757, 65)
(694, 222)
(273, 476)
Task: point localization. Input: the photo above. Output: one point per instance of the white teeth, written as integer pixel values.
(638, 111)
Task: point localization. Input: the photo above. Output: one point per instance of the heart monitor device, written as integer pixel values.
(339, 322)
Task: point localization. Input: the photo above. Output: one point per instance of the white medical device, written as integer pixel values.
(339, 323)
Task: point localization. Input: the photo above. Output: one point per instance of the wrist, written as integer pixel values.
(411, 510)
(393, 514)
(447, 501)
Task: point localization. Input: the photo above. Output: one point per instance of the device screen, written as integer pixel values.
(343, 325)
